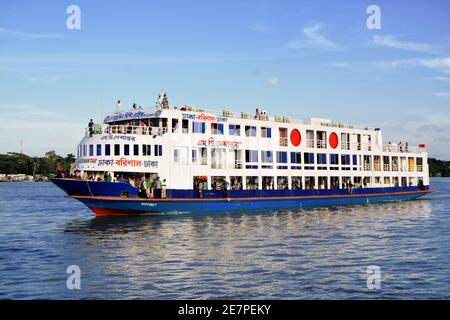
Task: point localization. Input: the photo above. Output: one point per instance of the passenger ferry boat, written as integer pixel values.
(206, 161)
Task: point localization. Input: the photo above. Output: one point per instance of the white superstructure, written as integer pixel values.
(184, 145)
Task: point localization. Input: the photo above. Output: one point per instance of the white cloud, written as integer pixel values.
(314, 39)
(15, 33)
(441, 78)
(441, 94)
(441, 64)
(339, 64)
(394, 42)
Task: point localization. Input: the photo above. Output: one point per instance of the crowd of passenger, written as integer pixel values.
(147, 187)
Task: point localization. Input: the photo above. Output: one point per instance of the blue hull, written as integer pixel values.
(105, 206)
(103, 198)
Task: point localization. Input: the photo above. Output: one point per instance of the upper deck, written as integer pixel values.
(314, 133)
(185, 143)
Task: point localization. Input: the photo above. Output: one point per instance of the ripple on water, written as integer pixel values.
(313, 254)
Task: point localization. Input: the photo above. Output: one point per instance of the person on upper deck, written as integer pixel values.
(91, 123)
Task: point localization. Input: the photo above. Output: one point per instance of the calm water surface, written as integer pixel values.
(304, 254)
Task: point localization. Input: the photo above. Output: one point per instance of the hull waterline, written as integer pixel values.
(119, 206)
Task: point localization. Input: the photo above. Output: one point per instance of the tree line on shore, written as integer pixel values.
(14, 163)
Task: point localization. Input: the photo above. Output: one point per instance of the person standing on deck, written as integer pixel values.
(164, 189)
(158, 187)
(148, 187)
(90, 124)
(226, 187)
(200, 189)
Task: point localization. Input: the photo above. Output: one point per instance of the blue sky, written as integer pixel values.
(298, 58)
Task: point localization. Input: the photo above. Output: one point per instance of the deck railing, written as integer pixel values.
(402, 149)
(283, 142)
(122, 129)
(321, 144)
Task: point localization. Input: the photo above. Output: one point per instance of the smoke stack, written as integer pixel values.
(118, 106)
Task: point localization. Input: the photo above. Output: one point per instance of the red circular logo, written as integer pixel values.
(334, 140)
(296, 138)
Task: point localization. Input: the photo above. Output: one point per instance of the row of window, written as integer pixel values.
(296, 157)
(116, 150)
(233, 129)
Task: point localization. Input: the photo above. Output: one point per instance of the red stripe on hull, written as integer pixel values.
(117, 212)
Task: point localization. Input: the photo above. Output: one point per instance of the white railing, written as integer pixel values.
(356, 146)
(386, 167)
(238, 164)
(366, 147)
(394, 167)
(419, 168)
(310, 143)
(122, 129)
(367, 167)
(283, 142)
(377, 167)
(345, 145)
(321, 144)
(402, 149)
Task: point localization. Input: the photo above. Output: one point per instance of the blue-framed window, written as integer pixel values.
(158, 150)
(126, 149)
(216, 128)
(198, 127)
(117, 149)
(266, 132)
(266, 157)
(91, 150)
(107, 149)
(282, 157)
(99, 150)
(345, 159)
(250, 131)
(234, 129)
(355, 160)
(251, 156)
(296, 157)
(321, 158)
(136, 150)
(334, 158)
(308, 158)
(146, 149)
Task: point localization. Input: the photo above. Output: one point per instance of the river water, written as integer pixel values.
(304, 254)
